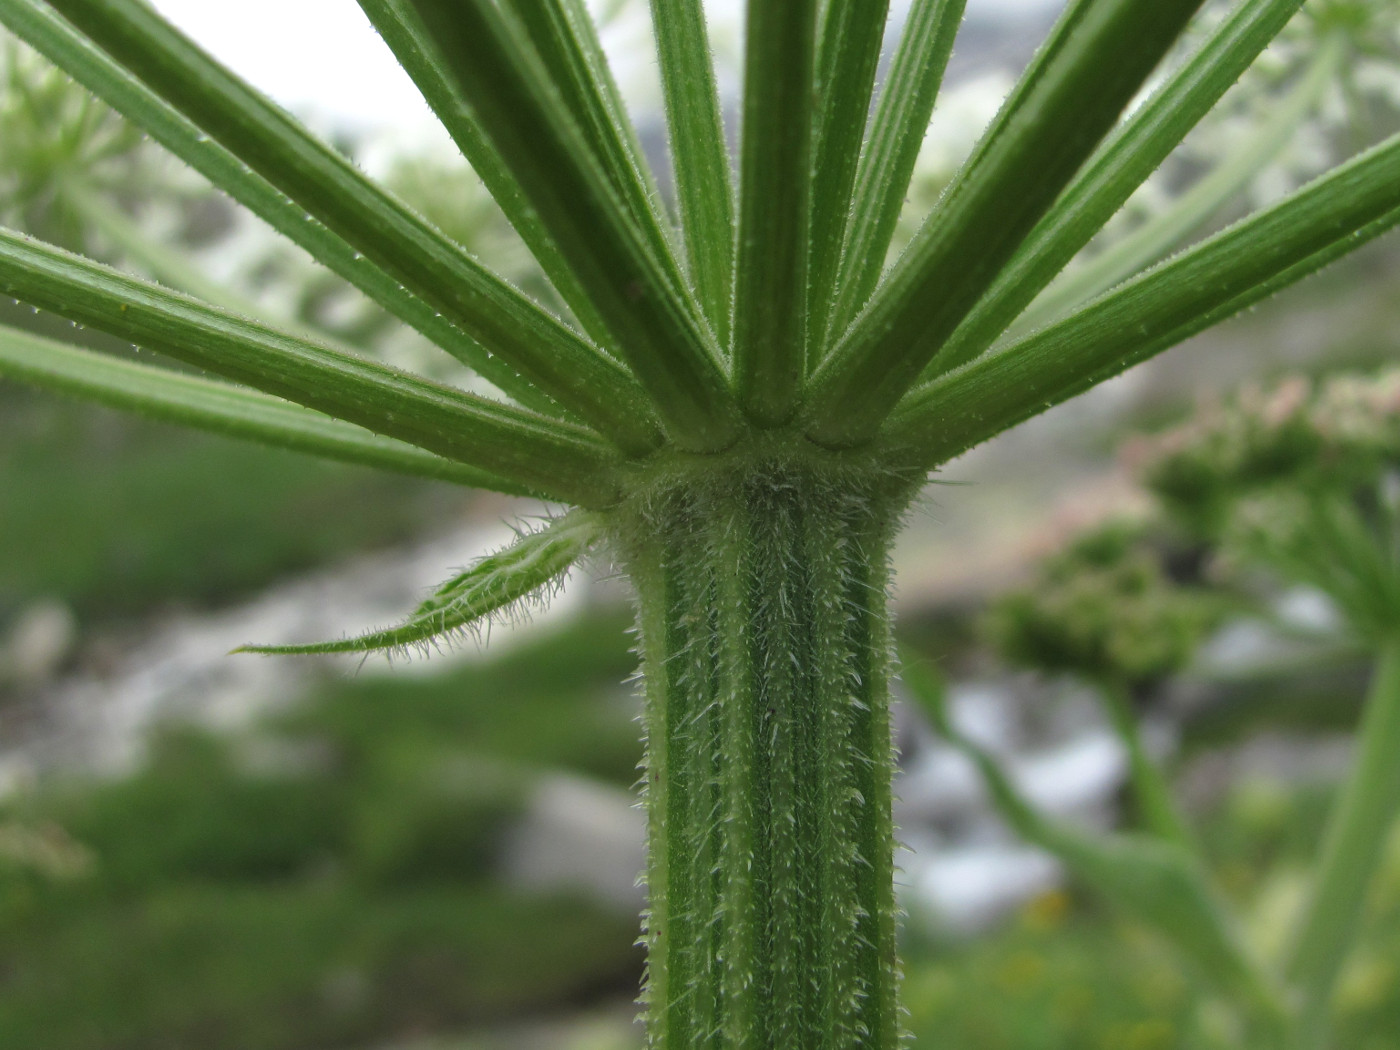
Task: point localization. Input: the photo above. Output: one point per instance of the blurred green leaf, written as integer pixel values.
(1158, 883)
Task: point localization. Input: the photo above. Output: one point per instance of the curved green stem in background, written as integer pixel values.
(1357, 831)
(1151, 791)
(765, 643)
(1157, 882)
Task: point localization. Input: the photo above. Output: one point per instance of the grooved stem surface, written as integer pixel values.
(765, 636)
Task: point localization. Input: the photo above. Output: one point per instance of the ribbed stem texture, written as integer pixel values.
(765, 643)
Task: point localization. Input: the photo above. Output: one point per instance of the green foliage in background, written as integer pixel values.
(273, 909)
(325, 879)
(1067, 973)
(736, 396)
(1299, 481)
(1107, 608)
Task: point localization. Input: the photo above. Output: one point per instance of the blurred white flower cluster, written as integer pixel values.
(1355, 47)
(60, 148)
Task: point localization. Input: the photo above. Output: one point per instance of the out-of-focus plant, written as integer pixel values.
(747, 401)
(61, 146)
(75, 172)
(1107, 611)
(1109, 607)
(1304, 479)
(1301, 481)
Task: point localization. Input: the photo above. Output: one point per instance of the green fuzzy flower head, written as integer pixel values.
(1337, 436)
(1108, 609)
(1300, 479)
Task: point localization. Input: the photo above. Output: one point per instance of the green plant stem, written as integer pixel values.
(1044, 133)
(1150, 789)
(775, 196)
(1351, 851)
(1131, 153)
(176, 397)
(765, 641)
(882, 176)
(847, 58)
(704, 189)
(1193, 209)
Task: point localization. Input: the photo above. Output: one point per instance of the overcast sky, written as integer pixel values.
(322, 56)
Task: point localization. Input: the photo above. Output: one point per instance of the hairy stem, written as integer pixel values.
(765, 642)
(1160, 235)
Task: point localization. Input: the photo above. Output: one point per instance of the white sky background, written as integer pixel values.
(321, 57)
